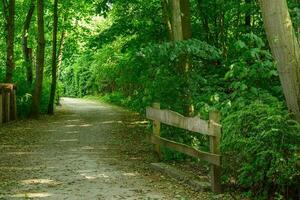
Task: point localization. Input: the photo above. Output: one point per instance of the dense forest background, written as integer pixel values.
(123, 52)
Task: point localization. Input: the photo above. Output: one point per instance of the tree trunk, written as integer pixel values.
(176, 21)
(40, 60)
(285, 49)
(27, 52)
(10, 27)
(166, 15)
(186, 63)
(186, 19)
(181, 26)
(248, 15)
(54, 59)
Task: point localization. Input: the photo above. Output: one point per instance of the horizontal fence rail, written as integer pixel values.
(211, 128)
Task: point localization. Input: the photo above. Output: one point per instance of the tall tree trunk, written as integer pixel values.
(186, 19)
(181, 26)
(60, 58)
(166, 15)
(54, 59)
(186, 64)
(176, 21)
(285, 49)
(40, 61)
(10, 27)
(27, 52)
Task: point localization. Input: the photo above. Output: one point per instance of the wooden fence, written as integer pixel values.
(8, 106)
(211, 128)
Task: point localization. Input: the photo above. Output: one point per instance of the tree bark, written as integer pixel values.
(40, 60)
(186, 19)
(10, 36)
(54, 59)
(285, 49)
(27, 52)
(176, 21)
(181, 26)
(166, 15)
(186, 63)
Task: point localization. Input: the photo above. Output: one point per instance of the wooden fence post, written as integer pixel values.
(215, 129)
(156, 131)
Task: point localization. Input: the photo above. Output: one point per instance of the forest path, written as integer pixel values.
(88, 150)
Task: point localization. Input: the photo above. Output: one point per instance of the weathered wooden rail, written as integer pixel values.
(211, 128)
(8, 104)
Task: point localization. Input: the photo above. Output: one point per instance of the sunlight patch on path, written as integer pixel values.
(31, 195)
(40, 181)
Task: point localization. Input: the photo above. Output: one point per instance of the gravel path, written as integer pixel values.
(89, 150)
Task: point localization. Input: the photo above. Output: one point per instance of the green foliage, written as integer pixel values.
(260, 150)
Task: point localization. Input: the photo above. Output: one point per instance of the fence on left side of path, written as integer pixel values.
(8, 103)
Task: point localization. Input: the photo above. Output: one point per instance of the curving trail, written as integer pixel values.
(89, 150)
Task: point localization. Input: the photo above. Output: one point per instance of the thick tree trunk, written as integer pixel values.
(10, 27)
(176, 20)
(40, 60)
(186, 19)
(181, 26)
(54, 59)
(285, 49)
(27, 52)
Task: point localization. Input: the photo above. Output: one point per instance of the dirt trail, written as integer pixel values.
(89, 150)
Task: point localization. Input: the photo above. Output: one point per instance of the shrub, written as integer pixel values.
(260, 151)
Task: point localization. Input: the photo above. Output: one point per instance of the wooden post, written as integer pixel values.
(1, 108)
(156, 131)
(215, 129)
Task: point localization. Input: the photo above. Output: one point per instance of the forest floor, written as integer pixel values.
(88, 150)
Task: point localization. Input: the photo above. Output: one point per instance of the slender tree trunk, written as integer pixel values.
(27, 52)
(248, 15)
(10, 27)
(60, 58)
(186, 63)
(204, 16)
(40, 61)
(61, 48)
(54, 59)
(285, 49)
(166, 15)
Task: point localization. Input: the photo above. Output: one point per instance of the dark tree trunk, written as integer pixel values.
(166, 15)
(9, 12)
(27, 52)
(54, 59)
(185, 60)
(248, 15)
(40, 59)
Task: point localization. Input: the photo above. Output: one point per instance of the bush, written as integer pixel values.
(260, 151)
